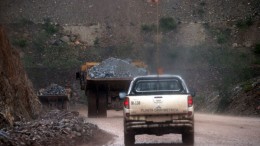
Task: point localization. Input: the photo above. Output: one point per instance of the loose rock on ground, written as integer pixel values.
(54, 128)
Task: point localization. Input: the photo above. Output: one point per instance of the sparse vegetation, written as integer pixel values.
(44, 54)
(49, 27)
(222, 36)
(39, 44)
(96, 42)
(247, 86)
(201, 12)
(28, 61)
(233, 68)
(20, 42)
(148, 28)
(25, 21)
(124, 51)
(203, 3)
(42, 49)
(244, 23)
(173, 54)
(257, 49)
(224, 101)
(61, 56)
(167, 24)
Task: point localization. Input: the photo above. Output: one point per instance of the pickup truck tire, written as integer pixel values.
(129, 138)
(188, 138)
(102, 104)
(92, 103)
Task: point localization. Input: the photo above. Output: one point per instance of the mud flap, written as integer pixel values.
(92, 104)
(102, 104)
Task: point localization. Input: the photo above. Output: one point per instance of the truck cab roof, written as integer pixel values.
(152, 84)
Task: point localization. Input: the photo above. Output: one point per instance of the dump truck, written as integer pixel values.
(55, 97)
(103, 93)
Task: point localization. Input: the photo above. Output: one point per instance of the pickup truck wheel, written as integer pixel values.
(102, 104)
(129, 138)
(92, 104)
(188, 138)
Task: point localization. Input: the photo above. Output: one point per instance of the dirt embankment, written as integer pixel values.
(17, 99)
(245, 98)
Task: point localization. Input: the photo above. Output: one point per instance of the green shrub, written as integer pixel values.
(21, 43)
(257, 49)
(244, 23)
(173, 54)
(247, 86)
(257, 61)
(167, 24)
(201, 12)
(96, 42)
(28, 61)
(203, 3)
(221, 35)
(221, 38)
(148, 28)
(224, 101)
(49, 27)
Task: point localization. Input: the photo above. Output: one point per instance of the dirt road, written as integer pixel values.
(210, 130)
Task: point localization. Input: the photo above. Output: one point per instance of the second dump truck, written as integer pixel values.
(103, 92)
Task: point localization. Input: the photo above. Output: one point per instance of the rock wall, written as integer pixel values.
(17, 99)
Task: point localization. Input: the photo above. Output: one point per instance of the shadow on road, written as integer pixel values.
(162, 144)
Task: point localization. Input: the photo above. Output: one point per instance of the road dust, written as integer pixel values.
(210, 130)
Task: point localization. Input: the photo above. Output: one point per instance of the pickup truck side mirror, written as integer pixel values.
(122, 95)
(193, 93)
(77, 76)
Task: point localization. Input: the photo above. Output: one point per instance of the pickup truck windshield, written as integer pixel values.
(163, 86)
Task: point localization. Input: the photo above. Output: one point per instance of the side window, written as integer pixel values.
(174, 85)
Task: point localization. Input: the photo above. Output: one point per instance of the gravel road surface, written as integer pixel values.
(210, 130)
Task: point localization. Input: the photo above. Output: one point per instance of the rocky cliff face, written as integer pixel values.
(17, 99)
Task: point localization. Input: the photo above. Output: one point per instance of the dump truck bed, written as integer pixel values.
(111, 83)
(54, 101)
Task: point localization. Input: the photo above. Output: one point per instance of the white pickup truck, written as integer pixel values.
(158, 104)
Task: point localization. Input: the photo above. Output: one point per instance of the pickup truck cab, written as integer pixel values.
(157, 105)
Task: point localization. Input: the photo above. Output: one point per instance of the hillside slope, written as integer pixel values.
(17, 98)
(211, 43)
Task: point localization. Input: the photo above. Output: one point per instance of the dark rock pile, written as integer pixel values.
(54, 89)
(115, 68)
(53, 128)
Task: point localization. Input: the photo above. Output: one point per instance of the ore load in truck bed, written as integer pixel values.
(53, 89)
(115, 68)
(54, 96)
